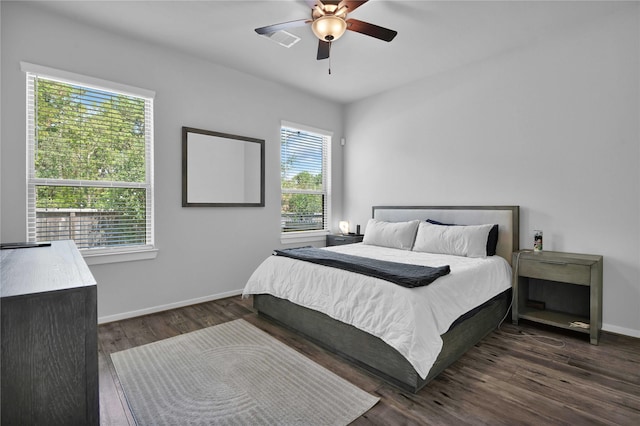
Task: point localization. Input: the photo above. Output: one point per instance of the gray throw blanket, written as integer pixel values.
(403, 274)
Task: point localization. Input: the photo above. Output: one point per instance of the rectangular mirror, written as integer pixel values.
(221, 170)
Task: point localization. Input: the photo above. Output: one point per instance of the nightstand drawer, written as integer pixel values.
(553, 270)
(339, 240)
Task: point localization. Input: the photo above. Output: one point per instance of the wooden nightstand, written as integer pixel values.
(340, 240)
(559, 289)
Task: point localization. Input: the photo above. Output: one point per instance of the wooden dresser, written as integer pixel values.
(49, 337)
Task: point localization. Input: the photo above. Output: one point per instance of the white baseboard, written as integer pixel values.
(621, 330)
(154, 309)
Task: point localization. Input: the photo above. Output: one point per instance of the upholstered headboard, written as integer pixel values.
(507, 218)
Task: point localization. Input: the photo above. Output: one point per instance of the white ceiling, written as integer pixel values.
(433, 36)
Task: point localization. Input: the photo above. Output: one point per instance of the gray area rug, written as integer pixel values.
(233, 374)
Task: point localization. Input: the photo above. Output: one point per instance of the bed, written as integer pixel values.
(417, 336)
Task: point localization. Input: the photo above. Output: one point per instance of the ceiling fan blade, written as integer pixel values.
(313, 3)
(371, 30)
(324, 48)
(351, 4)
(283, 26)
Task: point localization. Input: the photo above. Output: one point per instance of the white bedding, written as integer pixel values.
(410, 320)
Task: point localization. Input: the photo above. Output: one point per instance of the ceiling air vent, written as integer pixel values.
(283, 38)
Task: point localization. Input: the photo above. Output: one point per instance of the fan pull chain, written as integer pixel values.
(329, 65)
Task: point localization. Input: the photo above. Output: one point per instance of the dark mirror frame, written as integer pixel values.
(185, 171)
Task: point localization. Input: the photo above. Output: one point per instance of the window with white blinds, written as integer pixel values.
(305, 178)
(90, 163)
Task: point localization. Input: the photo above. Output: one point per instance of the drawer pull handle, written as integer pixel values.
(552, 262)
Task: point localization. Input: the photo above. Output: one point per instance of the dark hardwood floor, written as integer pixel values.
(517, 375)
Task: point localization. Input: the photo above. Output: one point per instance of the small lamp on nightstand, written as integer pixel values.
(344, 227)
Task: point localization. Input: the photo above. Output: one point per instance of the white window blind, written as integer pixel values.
(90, 164)
(305, 179)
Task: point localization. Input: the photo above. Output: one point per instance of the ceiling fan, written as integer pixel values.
(329, 22)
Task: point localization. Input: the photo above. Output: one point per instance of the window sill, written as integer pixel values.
(103, 257)
(303, 237)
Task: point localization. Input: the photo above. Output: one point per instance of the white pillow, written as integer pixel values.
(469, 240)
(391, 234)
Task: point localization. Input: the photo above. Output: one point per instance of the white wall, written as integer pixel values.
(552, 127)
(204, 252)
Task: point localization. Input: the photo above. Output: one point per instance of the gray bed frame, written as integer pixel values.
(370, 352)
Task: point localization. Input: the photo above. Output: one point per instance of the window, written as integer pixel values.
(90, 162)
(305, 180)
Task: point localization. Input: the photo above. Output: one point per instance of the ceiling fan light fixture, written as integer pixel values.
(329, 27)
